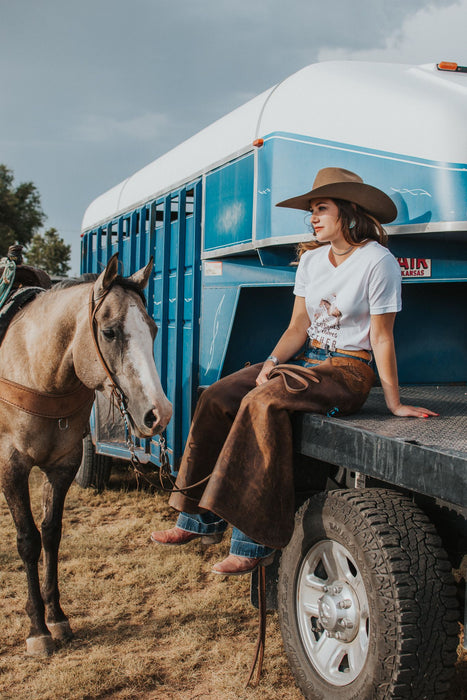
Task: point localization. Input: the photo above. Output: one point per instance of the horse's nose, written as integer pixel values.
(157, 418)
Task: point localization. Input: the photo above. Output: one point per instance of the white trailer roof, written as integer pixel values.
(416, 111)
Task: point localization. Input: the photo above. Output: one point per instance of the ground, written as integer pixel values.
(150, 622)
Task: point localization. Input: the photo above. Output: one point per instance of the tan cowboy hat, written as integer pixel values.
(337, 183)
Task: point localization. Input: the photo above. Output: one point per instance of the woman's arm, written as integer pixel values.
(291, 341)
(382, 343)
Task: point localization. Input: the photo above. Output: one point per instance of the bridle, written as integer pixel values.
(117, 394)
(121, 400)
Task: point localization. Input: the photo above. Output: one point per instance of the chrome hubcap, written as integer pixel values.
(333, 612)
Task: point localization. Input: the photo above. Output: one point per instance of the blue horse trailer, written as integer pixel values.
(221, 295)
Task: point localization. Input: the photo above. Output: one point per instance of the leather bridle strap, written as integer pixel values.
(117, 392)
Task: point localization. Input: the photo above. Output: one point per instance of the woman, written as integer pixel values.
(347, 293)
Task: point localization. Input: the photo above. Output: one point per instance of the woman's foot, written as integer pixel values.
(175, 536)
(235, 565)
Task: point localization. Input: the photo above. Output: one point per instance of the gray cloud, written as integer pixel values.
(92, 91)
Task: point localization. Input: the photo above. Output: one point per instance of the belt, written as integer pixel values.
(359, 354)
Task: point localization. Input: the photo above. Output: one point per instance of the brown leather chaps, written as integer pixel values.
(243, 435)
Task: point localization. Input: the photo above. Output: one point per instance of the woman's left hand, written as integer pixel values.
(415, 411)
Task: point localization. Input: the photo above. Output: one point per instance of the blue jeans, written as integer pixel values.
(313, 356)
(209, 523)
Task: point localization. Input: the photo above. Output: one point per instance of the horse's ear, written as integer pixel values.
(106, 277)
(141, 277)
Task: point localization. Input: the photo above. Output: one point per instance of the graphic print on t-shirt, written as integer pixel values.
(325, 322)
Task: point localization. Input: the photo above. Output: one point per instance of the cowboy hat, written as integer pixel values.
(337, 183)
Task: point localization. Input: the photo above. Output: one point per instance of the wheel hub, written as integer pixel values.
(333, 612)
(338, 611)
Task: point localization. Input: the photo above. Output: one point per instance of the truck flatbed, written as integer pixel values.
(427, 456)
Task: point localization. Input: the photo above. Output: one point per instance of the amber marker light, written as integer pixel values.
(447, 65)
(258, 143)
(450, 65)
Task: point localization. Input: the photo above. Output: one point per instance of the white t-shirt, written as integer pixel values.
(339, 300)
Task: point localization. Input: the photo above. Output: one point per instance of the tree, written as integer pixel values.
(21, 213)
(50, 253)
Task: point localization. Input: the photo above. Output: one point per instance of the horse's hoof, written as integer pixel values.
(40, 646)
(60, 630)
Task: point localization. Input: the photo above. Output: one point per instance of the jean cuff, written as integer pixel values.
(251, 549)
(197, 523)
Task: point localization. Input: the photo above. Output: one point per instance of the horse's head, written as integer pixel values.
(124, 338)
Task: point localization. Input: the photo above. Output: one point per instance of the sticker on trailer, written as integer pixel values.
(213, 269)
(415, 267)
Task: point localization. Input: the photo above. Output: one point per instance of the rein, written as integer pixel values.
(164, 471)
(302, 376)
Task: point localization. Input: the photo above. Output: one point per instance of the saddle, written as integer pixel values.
(19, 284)
(16, 300)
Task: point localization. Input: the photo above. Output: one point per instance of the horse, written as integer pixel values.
(67, 343)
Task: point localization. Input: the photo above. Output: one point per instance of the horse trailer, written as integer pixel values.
(369, 588)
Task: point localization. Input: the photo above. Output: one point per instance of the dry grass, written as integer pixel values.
(150, 622)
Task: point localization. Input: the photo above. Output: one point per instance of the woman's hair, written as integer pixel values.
(365, 227)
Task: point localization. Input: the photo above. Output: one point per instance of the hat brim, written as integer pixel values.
(370, 198)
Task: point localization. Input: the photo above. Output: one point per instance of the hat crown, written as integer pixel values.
(332, 176)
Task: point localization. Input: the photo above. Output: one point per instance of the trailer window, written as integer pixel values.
(126, 228)
(190, 201)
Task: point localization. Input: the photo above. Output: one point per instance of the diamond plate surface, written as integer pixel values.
(446, 432)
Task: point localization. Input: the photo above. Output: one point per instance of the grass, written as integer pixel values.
(150, 623)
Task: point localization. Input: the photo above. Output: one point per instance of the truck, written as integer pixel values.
(371, 588)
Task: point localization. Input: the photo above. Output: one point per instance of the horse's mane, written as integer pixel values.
(124, 282)
(74, 281)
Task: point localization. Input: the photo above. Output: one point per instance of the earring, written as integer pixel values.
(352, 224)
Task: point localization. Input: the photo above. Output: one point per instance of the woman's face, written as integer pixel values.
(325, 220)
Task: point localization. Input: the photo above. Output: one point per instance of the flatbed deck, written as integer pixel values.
(428, 456)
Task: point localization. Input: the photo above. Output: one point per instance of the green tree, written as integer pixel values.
(21, 214)
(50, 253)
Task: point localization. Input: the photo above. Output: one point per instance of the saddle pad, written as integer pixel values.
(16, 301)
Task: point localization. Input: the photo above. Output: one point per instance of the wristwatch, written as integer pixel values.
(273, 359)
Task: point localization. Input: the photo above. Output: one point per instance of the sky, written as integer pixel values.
(92, 91)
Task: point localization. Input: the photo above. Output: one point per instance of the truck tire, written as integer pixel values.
(94, 470)
(367, 602)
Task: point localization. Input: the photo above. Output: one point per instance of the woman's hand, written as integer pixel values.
(415, 411)
(263, 376)
(291, 341)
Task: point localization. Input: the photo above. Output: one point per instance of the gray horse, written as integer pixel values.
(58, 350)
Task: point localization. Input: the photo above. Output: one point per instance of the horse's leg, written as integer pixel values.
(15, 486)
(55, 489)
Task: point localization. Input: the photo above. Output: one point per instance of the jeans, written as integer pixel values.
(313, 356)
(209, 523)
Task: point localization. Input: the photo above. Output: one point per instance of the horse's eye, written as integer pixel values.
(109, 333)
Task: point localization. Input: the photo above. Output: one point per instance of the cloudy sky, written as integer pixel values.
(93, 90)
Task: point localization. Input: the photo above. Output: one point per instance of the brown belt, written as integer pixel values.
(362, 354)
